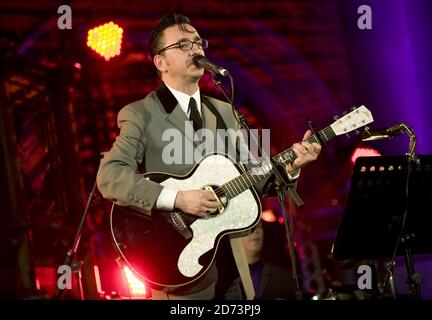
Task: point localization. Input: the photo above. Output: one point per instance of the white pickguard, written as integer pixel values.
(240, 213)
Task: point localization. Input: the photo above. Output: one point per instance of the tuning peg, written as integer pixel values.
(347, 135)
(335, 117)
(344, 113)
(357, 131)
(353, 108)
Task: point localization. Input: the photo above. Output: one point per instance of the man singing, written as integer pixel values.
(172, 45)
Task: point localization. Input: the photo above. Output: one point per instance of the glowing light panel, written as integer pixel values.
(364, 152)
(136, 287)
(106, 40)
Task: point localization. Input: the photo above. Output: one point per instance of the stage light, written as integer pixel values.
(98, 280)
(136, 287)
(268, 216)
(364, 152)
(106, 40)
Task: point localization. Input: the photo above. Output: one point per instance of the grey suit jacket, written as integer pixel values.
(141, 144)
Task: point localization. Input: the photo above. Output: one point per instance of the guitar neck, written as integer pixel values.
(257, 174)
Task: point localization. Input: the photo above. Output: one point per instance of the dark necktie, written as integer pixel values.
(194, 115)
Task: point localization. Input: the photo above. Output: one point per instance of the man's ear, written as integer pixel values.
(159, 62)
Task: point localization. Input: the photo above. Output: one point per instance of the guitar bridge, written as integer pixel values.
(180, 225)
(221, 200)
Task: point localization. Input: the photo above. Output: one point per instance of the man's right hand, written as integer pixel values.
(196, 202)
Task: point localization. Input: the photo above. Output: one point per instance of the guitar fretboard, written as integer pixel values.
(257, 174)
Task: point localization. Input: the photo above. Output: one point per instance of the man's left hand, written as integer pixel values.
(306, 152)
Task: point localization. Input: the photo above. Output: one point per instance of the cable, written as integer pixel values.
(398, 240)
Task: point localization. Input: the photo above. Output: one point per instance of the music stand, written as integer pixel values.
(376, 206)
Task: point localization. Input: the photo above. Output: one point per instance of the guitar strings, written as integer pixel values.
(229, 188)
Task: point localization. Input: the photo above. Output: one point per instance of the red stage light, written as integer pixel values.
(136, 287)
(364, 152)
(106, 40)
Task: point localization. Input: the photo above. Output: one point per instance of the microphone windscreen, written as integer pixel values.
(196, 59)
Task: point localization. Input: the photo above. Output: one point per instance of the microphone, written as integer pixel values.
(202, 62)
(371, 135)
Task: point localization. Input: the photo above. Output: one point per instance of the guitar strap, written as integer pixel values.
(236, 243)
(242, 266)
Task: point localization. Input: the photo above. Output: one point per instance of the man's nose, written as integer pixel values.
(195, 49)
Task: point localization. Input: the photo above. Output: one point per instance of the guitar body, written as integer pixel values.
(172, 249)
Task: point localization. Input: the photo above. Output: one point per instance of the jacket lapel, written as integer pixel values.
(209, 118)
(177, 117)
(175, 114)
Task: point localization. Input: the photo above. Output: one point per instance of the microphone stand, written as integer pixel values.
(282, 184)
(76, 265)
(414, 278)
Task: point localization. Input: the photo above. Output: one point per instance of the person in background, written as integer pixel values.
(270, 280)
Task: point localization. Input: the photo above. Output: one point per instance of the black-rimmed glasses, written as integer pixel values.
(186, 45)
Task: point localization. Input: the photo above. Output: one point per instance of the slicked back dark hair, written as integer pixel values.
(168, 20)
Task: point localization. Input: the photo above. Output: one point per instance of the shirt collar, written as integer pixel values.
(183, 99)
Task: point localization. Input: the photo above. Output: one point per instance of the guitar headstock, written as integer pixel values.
(357, 118)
